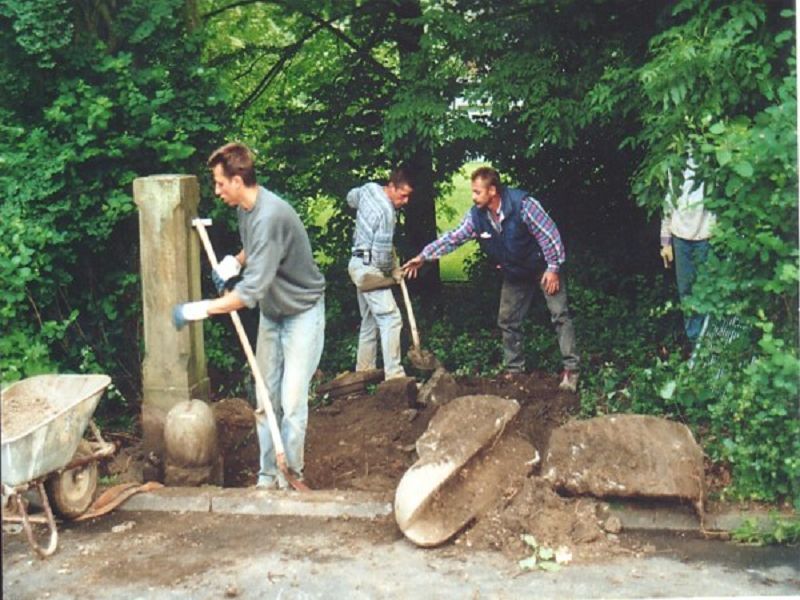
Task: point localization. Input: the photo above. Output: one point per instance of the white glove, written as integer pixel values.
(190, 311)
(227, 268)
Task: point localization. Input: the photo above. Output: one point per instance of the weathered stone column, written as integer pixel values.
(174, 367)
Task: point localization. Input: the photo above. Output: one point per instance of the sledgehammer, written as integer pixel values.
(265, 407)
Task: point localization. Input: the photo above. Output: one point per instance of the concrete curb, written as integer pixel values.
(352, 504)
(681, 517)
(249, 501)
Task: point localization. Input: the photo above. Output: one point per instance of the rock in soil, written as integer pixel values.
(626, 456)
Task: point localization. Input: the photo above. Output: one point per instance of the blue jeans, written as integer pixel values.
(515, 300)
(288, 352)
(689, 255)
(380, 318)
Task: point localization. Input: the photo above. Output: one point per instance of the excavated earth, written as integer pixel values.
(367, 442)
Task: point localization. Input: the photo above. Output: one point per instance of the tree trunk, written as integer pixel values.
(420, 217)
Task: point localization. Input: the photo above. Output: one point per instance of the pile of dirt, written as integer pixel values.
(368, 441)
(530, 507)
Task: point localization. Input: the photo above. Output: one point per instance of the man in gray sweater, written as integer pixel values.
(280, 276)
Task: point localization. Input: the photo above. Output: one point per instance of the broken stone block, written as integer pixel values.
(350, 382)
(626, 456)
(404, 388)
(439, 389)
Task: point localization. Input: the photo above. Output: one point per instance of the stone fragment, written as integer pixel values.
(626, 456)
(439, 389)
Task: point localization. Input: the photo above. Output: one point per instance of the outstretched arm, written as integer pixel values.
(444, 245)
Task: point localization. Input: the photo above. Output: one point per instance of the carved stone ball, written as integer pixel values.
(190, 434)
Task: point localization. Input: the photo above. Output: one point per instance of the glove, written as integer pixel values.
(226, 270)
(666, 255)
(190, 311)
(374, 281)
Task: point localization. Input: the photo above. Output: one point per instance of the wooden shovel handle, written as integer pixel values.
(411, 320)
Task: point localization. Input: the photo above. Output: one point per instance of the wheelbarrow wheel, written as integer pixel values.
(71, 492)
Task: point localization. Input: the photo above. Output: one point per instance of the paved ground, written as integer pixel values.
(198, 555)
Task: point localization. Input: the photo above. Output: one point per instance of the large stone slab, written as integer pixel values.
(465, 463)
(626, 456)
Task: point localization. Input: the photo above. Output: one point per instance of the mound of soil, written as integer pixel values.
(367, 442)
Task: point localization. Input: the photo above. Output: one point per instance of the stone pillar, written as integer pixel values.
(174, 367)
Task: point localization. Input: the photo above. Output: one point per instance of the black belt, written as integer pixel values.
(362, 253)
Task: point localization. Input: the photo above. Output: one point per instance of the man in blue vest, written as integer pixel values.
(523, 242)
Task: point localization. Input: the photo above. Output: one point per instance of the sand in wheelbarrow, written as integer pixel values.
(22, 413)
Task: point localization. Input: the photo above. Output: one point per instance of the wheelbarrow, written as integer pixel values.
(43, 449)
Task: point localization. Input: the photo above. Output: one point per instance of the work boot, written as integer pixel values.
(569, 381)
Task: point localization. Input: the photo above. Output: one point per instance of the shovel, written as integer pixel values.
(422, 359)
(280, 453)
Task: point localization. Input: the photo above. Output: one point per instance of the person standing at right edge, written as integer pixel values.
(685, 230)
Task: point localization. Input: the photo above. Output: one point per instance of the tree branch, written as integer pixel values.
(291, 50)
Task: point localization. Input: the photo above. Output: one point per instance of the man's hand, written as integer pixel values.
(226, 270)
(397, 274)
(412, 266)
(190, 311)
(550, 282)
(666, 255)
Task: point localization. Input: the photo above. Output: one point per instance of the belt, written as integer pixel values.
(362, 253)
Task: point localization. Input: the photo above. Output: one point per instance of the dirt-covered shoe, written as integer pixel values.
(267, 483)
(569, 380)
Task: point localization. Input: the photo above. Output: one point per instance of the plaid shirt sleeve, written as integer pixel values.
(451, 240)
(545, 231)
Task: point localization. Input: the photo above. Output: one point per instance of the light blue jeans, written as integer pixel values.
(380, 318)
(689, 254)
(287, 352)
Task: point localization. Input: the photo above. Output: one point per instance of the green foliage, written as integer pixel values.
(543, 557)
(95, 98)
(777, 530)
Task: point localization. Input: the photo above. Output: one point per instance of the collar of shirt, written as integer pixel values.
(496, 219)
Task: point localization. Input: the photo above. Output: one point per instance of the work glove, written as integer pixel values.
(225, 273)
(666, 255)
(374, 281)
(189, 311)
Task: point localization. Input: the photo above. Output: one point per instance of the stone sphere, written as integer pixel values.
(190, 434)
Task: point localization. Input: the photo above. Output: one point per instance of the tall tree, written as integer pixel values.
(97, 93)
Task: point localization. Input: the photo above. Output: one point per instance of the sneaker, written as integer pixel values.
(569, 380)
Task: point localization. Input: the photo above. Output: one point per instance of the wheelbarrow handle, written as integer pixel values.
(15, 497)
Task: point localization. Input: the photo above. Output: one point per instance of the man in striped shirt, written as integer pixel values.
(371, 270)
(522, 240)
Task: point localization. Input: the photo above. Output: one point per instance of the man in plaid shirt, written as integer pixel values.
(523, 242)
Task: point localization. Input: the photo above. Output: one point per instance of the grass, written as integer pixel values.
(450, 210)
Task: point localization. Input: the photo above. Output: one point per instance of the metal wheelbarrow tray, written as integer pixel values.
(45, 445)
